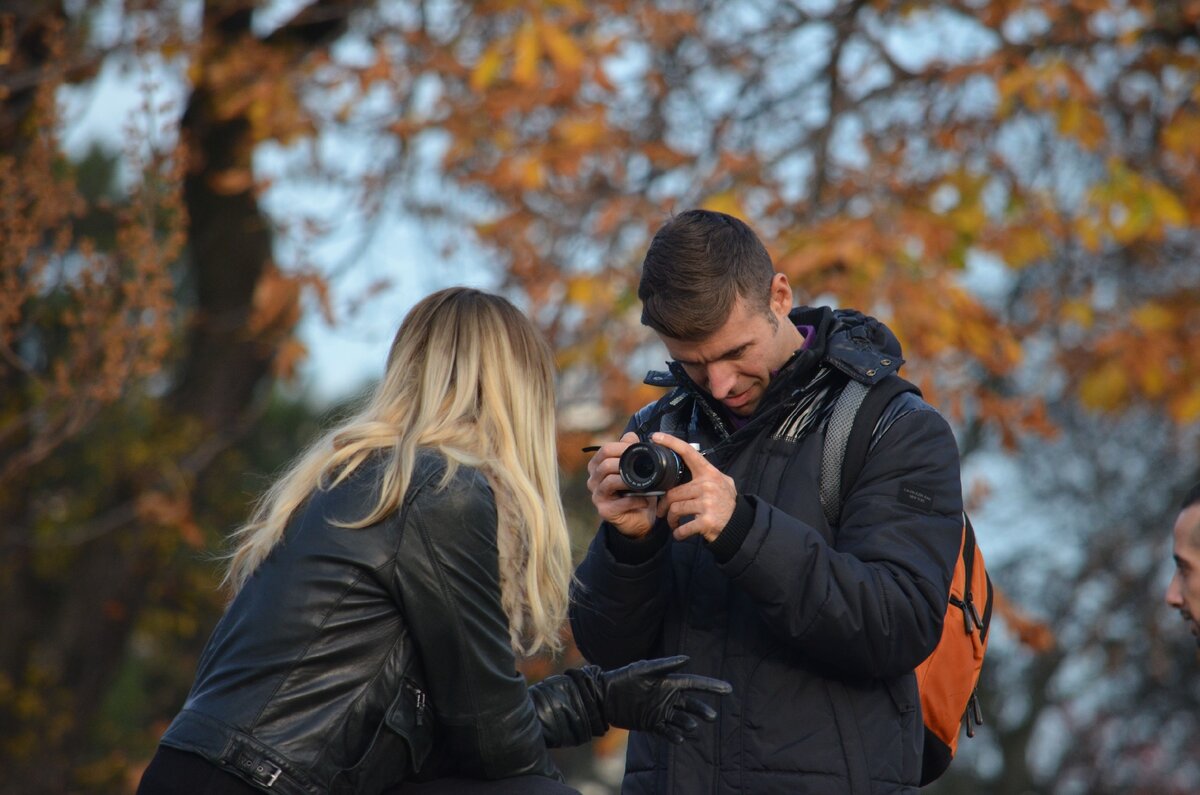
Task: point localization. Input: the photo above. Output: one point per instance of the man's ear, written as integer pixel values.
(781, 295)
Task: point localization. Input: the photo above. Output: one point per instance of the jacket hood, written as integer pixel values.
(857, 344)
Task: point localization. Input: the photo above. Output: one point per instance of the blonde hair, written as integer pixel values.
(467, 375)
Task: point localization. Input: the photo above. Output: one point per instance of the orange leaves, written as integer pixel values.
(1106, 388)
(527, 53)
(487, 70)
(589, 289)
(1185, 407)
(1148, 353)
(94, 309)
(1078, 120)
(1041, 86)
(522, 54)
(583, 131)
(566, 54)
(255, 82)
(276, 312)
(231, 181)
(276, 304)
(1128, 206)
(724, 202)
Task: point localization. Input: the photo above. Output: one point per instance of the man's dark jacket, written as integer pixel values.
(354, 657)
(817, 628)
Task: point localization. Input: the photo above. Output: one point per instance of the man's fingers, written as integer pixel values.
(610, 452)
(680, 510)
(602, 471)
(690, 455)
(624, 505)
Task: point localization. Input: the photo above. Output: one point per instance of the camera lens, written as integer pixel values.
(648, 467)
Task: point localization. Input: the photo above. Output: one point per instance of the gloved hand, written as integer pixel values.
(582, 703)
(647, 696)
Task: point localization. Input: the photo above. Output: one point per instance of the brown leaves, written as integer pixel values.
(97, 320)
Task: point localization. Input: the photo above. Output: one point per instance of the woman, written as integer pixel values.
(387, 582)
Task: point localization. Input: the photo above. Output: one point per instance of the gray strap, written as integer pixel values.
(837, 434)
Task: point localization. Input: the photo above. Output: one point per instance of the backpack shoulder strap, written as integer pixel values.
(848, 437)
(833, 454)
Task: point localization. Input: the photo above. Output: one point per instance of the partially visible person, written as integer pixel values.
(1183, 593)
(387, 582)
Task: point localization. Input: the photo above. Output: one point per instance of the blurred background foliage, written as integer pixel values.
(1012, 185)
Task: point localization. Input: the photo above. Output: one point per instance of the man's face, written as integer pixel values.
(1183, 593)
(735, 363)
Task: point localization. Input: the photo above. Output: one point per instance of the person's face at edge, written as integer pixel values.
(1183, 593)
(734, 364)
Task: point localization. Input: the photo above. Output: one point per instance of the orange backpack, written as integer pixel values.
(948, 678)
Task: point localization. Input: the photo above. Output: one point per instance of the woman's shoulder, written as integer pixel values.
(436, 479)
(456, 514)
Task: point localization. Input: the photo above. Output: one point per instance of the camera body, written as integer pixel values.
(650, 469)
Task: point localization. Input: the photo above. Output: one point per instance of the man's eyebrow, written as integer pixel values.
(732, 353)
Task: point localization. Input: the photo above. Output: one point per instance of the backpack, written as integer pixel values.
(948, 678)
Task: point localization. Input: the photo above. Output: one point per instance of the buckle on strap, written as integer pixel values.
(258, 769)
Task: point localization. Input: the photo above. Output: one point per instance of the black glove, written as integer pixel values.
(646, 696)
(582, 703)
(569, 715)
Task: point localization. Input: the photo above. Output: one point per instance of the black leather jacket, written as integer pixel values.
(312, 681)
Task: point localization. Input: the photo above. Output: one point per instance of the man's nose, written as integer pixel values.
(721, 380)
(1175, 592)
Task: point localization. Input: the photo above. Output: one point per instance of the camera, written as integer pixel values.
(650, 469)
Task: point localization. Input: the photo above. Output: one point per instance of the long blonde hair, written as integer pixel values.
(469, 376)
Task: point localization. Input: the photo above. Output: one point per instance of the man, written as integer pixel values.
(817, 628)
(1183, 593)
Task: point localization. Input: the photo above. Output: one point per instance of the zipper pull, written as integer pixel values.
(420, 707)
(974, 614)
(968, 626)
(974, 714)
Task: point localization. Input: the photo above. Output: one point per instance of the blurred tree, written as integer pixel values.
(1013, 186)
(129, 365)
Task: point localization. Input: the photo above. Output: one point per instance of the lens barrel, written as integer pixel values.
(649, 467)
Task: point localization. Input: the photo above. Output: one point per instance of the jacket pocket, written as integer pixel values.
(399, 747)
(905, 698)
(410, 718)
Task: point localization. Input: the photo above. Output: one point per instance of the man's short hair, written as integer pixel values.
(697, 265)
(1191, 498)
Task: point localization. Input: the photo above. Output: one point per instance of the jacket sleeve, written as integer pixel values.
(872, 604)
(448, 574)
(619, 596)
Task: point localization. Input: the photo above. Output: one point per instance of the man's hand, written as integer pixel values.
(633, 516)
(705, 503)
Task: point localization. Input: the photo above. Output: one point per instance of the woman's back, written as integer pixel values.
(316, 658)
